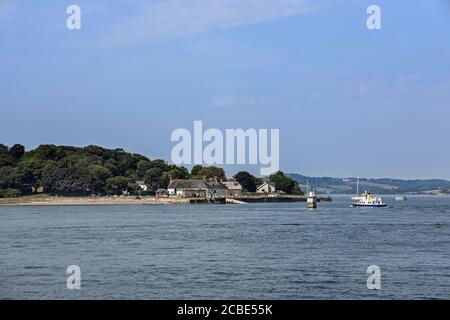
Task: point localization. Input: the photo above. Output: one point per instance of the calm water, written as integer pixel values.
(278, 251)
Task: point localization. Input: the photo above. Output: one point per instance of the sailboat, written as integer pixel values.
(366, 199)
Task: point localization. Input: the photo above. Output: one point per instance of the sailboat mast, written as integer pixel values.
(357, 186)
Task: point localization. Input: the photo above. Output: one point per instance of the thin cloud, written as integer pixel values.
(228, 101)
(179, 18)
(359, 90)
(5, 7)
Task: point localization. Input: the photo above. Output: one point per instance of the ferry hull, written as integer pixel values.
(369, 205)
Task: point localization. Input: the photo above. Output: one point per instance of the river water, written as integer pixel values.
(256, 251)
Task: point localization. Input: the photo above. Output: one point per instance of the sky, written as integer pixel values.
(348, 101)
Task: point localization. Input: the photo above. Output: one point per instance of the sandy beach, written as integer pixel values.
(76, 201)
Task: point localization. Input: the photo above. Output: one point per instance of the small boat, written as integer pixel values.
(367, 200)
(400, 198)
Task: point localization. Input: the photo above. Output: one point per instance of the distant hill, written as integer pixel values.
(381, 186)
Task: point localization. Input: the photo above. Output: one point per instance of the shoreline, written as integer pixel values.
(88, 201)
(44, 200)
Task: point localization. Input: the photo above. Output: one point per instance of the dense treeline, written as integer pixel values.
(66, 170)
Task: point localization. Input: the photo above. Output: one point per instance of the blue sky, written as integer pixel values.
(348, 101)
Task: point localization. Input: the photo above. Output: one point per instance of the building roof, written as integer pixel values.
(214, 184)
(232, 185)
(140, 183)
(187, 184)
(195, 184)
(265, 183)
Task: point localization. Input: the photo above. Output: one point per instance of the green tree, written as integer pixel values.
(6, 177)
(17, 151)
(77, 180)
(246, 180)
(142, 166)
(210, 172)
(130, 173)
(164, 180)
(10, 193)
(195, 171)
(51, 176)
(178, 173)
(6, 160)
(29, 173)
(118, 185)
(152, 177)
(285, 184)
(3, 149)
(159, 163)
(99, 175)
(24, 179)
(48, 152)
(133, 188)
(111, 165)
(5, 157)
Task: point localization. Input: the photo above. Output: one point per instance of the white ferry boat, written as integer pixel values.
(367, 200)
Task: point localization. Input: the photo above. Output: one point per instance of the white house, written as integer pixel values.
(142, 185)
(266, 187)
(216, 189)
(234, 188)
(211, 188)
